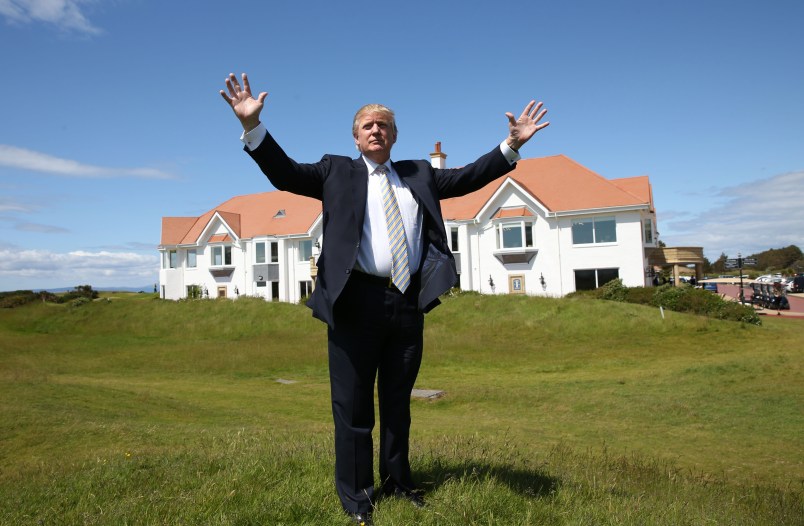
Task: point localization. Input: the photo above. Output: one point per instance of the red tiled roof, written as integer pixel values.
(219, 238)
(519, 211)
(248, 216)
(560, 184)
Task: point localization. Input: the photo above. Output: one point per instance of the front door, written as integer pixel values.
(516, 284)
(221, 292)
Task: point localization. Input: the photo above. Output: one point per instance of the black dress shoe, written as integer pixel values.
(361, 519)
(414, 497)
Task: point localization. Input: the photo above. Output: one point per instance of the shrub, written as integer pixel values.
(679, 299)
(81, 291)
(614, 290)
(80, 301)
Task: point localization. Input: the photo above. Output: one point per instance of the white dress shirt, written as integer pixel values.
(374, 255)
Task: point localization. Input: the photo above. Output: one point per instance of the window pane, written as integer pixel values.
(582, 232)
(528, 235)
(174, 259)
(512, 235)
(191, 258)
(604, 275)
(648, 231)
(260, 253)
(305, 250)
(217, 256)
(274, 252)
(605, 230)
(228, 255)
(454, 239)
(585, 280)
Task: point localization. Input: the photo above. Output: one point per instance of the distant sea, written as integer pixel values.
(145, 288)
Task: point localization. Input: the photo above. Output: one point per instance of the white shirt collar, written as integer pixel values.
(373, 166)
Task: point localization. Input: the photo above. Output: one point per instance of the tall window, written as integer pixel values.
(192, 258)
(517, 234)
(173, 258)
(305, 250)
(594, 230)
(647, 230)
(259, 253)
(221, 255)
(590, 279)
(453, 239)
(274, 252)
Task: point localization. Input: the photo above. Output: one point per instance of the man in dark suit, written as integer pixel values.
(383, 264)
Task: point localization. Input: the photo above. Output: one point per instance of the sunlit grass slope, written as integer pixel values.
(132, 410)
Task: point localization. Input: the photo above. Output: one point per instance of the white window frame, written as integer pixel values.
(225, 250)
(524, 225)
(192, 262)
(647, 230)
(257, 247)
(594, 221)
(302, 251)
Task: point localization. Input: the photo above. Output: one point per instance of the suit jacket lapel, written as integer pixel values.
(359, 188)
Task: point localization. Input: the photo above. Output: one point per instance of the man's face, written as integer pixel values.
(375, 136)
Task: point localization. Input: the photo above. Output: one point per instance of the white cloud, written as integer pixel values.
(8, 205)
(33, 269)
(755, 217)
(40, 228)
(64, 14)
(15, 157)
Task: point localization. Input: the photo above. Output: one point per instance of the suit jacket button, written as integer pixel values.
(348, 271)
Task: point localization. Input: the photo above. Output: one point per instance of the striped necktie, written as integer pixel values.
(400, 271)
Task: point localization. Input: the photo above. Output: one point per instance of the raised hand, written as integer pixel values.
(522, 129)
(246, 108)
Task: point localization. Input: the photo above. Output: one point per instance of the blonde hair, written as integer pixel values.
(373, 108)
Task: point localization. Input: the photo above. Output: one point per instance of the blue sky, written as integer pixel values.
(111, 116)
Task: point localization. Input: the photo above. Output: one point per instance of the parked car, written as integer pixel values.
(798, 283)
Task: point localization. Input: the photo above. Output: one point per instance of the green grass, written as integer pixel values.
(132, 410)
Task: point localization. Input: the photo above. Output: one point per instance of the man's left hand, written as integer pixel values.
(522, 129)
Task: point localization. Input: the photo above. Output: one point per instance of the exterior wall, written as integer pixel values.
(626, 254)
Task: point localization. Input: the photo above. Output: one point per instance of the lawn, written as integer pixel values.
(133, 410)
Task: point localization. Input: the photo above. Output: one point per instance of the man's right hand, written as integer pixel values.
(246, 108)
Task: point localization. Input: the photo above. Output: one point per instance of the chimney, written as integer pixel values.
(437, 158)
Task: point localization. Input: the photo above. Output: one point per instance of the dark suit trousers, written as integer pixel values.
(378, 333)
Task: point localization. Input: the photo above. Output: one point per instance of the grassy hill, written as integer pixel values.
(133, 410)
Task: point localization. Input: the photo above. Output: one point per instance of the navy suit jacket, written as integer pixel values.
(341, 183)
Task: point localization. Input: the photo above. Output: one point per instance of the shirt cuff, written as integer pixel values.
(510, 155)
(252, 139)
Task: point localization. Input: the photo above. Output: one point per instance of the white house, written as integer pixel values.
(550, 227)
(255, 245)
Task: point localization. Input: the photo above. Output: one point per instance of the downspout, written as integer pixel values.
(560, 265)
